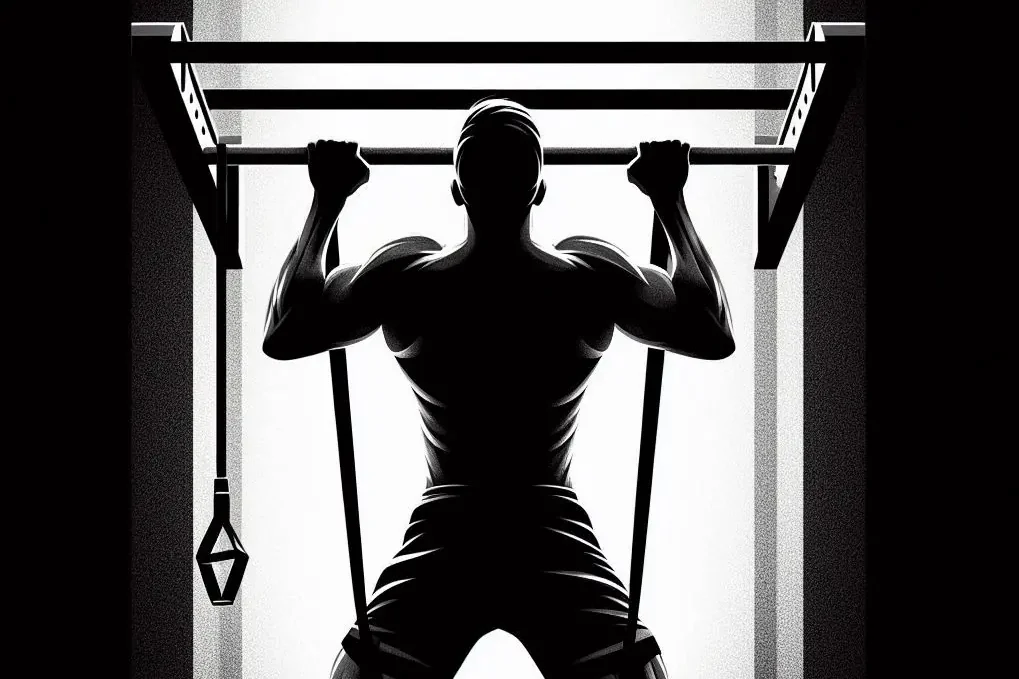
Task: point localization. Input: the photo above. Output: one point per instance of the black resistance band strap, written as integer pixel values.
(646, 462)
(348, 482)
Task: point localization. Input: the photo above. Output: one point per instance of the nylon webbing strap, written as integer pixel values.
(348, 482)
(646, 461)
(223, 189)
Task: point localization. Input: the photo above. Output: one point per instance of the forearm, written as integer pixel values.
(693, 274)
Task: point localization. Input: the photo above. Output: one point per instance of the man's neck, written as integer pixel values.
(499, 238)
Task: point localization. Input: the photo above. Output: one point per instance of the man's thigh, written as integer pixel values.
(428, 607)
(346, 668)
(572, 610)
(655, 669)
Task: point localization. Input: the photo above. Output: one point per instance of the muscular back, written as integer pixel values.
(498, 357)
(499, 336)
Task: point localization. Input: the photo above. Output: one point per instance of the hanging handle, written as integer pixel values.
(221, 557)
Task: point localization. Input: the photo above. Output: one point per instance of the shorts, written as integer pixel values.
(525, 561)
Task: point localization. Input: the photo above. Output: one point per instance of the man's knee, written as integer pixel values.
(344, 667)
(655, 669)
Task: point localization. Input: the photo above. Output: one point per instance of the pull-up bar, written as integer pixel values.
(165, 56)
(718, 52)
(762, 99)
(740, 155)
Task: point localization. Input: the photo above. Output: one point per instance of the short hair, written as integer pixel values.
(502, 121)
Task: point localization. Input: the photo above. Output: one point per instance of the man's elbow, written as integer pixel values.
(276, 348)
(712, 346)
(724, 347)
(271, 348)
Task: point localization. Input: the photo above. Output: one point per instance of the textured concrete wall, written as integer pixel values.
(834, 390)
(161, 392)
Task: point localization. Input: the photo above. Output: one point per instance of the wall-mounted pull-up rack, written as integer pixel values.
(164, 57)
(830, 56)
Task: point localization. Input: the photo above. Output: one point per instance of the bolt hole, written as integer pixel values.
(196, 114)
(800, 113)
(806, 99)
(191, 99)
(203, 129)
(794, 131)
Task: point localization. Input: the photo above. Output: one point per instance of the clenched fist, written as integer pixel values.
(336, 167)
(661, 168)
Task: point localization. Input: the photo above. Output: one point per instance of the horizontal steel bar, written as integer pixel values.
(725, 52)
(740, 155)
(420, 99)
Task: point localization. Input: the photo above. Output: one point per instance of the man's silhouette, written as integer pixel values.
(498, 337)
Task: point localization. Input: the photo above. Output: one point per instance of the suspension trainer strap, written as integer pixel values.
(646, 461)
(222, 230)
(348, 482)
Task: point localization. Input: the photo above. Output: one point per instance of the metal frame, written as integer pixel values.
(163, 55)
(809, 125)
(553, 155)
(695, 52)
(574, 99)
(179, 105)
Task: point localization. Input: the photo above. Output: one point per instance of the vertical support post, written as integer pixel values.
(816, 108)
(765, 450)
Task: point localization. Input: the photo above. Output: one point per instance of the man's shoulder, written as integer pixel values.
(402, 253)
(598, 255)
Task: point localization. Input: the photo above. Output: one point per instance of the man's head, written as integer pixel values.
(498, 159)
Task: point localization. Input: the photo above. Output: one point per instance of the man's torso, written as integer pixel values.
(498, 357)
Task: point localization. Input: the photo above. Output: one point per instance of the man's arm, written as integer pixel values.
(683, 308)
(310, 311)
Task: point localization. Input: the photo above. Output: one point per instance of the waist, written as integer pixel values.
(497, 466)
(503, 511)
(500, 491)
(472, 502)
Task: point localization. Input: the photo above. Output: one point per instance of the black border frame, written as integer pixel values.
(74, 400)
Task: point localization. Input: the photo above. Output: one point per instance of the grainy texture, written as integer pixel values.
(834, 392)
(161, 391)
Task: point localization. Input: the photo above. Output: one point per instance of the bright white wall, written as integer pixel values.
(217, 629)
(789, 335)
(698, 594)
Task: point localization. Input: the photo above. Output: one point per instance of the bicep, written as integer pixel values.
(354, 299)
(357, 299)
(335, 315)
(638, 298)
(646, 310)
(668, 315)
(352, 304)
(643, 300)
